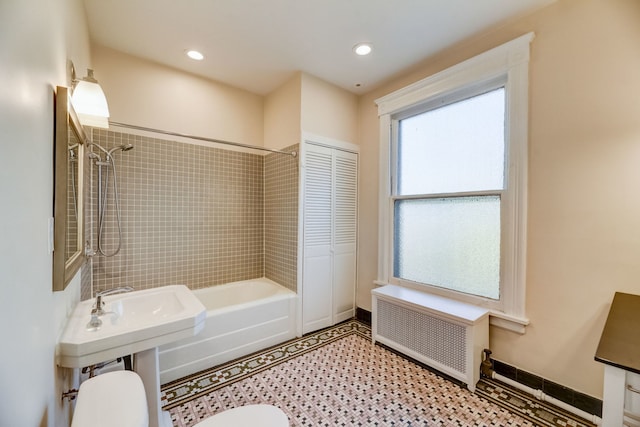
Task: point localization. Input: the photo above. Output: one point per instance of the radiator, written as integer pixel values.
(444, 334)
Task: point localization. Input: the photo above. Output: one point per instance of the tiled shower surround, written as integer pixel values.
(194, 215)
(281, 218)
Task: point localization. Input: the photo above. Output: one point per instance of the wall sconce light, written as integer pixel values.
(89, 101)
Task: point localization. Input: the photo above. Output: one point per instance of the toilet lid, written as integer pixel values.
(248, 416)
(113, 399)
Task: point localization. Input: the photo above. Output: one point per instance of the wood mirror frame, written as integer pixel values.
(68, 201)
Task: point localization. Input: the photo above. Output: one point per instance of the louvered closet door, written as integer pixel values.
(345, 166)
(316, 276)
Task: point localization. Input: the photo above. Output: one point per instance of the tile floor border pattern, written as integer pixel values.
(337, 377)
(206, 381)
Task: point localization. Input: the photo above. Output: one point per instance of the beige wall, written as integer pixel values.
(282, 119)
(583, 155)
(308, 104)
(584, 177)
(36, 39)
(148, 94)
(328, 110)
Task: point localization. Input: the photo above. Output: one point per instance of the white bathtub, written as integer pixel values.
(242, 317)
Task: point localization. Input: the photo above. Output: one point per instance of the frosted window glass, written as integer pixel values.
(458, 147)
(452, 243)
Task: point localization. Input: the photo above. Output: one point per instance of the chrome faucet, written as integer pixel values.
(98, 311)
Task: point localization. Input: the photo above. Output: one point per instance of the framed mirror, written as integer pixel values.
(68, 228)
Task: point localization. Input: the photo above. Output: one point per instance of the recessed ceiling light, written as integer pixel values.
(362, 49)
(194, 54)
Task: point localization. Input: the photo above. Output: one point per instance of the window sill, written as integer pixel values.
(510, 323)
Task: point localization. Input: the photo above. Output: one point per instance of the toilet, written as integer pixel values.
(248, 416)
(111, 399)
(117, 399)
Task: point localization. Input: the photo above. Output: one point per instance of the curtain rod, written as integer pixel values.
(202, 138)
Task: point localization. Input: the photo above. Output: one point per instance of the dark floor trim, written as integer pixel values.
(565, 394)
(363, 316)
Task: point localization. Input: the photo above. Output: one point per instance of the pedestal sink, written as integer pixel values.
(135, 323)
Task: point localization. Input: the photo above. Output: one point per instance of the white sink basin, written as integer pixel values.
(135, 321)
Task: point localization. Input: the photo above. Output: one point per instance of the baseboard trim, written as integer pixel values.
(363, 316)
(565, 394)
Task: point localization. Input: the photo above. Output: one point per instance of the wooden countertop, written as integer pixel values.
(620, 341)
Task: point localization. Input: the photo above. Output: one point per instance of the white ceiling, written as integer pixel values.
(257, 45)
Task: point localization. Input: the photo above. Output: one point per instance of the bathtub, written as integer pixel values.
(242, 318)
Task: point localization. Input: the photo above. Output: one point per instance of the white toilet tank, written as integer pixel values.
(113, 399)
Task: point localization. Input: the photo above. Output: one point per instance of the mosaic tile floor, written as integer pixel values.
(337, 377)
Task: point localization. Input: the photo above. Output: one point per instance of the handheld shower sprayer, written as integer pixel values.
(108, 153)
(123, 147)
(103, 190)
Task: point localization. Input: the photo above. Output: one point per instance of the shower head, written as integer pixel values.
(123, 147)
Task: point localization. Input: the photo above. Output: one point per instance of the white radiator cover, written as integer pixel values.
(444, 334)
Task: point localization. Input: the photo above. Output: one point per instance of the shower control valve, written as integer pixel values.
(88, 251)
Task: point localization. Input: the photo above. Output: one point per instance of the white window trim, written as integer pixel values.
(510, 61)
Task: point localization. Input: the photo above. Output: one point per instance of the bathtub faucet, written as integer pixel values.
(97, 310)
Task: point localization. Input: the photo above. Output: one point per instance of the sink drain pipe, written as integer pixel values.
(488, 371)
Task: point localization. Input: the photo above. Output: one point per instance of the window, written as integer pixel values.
(453, 183)
(450, 177)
